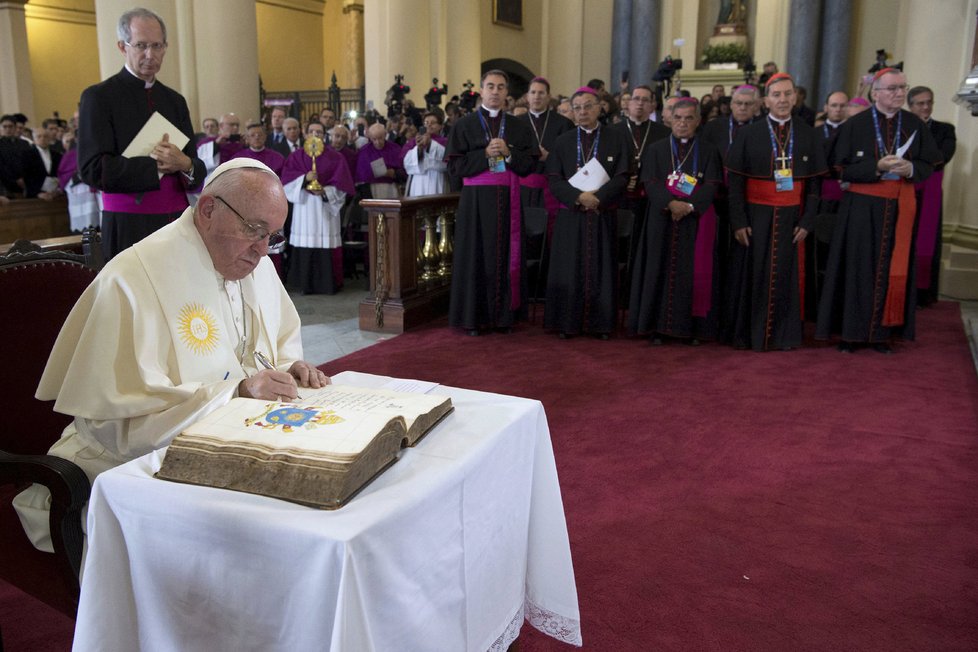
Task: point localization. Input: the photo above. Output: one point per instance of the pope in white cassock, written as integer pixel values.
(168, 331)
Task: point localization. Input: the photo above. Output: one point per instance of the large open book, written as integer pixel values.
(319, 451)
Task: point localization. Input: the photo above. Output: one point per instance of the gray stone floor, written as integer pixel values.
(330, 326)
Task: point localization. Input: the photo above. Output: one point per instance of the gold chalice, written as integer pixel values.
(314, 147)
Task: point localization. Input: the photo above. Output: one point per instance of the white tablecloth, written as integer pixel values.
(447, 550)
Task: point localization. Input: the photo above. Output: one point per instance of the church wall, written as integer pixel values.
(334, 44)
(61, 38)
(595, 40)
(522, 45)
(290, 47)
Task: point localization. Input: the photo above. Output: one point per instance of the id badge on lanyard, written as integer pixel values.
(497, 164)
(681, 183)
(783, 180)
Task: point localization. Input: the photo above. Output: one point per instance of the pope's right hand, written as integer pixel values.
(269, 385)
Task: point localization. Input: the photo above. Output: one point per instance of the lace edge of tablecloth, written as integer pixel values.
(554, 625)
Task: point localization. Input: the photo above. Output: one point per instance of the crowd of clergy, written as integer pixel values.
(733, 217)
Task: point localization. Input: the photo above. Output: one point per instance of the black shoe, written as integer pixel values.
(505, 330)
(883, 348)
(474, 332)
(563, 336)
(846, 347)
(656, 341)
(604, 337)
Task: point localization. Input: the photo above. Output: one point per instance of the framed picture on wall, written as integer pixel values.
(508, 13)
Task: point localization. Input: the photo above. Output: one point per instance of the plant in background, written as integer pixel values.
(725, 53)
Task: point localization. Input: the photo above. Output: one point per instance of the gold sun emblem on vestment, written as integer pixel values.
(197, 328)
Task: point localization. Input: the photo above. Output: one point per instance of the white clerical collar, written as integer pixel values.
(146, 84)
(590, 131)
(492, 112)
(889, 116)
(778, 120)
(257, 150)
(637, 123)
(684, 140)
(536, 114)
(834, 125)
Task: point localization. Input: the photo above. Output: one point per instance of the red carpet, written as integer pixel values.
(729, 500)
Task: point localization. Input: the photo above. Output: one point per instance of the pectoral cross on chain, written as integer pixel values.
(783, 162)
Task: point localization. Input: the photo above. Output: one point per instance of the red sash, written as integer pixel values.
(507, 178)
(764, 192)
(903, 193)
(927, 225)
(831, 190)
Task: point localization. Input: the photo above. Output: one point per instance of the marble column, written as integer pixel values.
(621, 32)
(353, 19)
(463, 45)
(836, 27)
(644, 43)
(16, 82)
(225, 50)
(803, 29)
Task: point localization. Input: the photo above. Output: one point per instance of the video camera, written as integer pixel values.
(881, 63)
(395, 96)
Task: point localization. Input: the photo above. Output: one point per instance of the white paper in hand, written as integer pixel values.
(590, 177)
(378, 167)
(904, 147)
(152, 133)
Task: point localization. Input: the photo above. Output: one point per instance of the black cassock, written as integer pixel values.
(111, 113)
(857, 279)
(947, 142)
(721, 132)
(544, 131)
(582, 283)
(662, 292)
(762, 306)
(481, 279)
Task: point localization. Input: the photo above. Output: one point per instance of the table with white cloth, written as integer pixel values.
(449, 549)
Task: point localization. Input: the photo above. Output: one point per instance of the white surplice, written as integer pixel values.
(429, 176)
(157, 341)
(315, 217)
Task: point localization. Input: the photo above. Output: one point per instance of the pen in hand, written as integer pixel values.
(262, 360)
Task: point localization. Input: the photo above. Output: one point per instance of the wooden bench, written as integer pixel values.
(34, 219)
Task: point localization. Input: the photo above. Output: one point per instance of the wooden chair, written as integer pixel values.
(37, 291)
(535, 226)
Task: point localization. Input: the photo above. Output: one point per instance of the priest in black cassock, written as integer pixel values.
(140, 194)
(545, 124)
(817, 250)
(721, 132)
(930, 198)
(674, 286)
(582, 282)
(870, 291)
(639, 132)
(489, 150)
(773, 169)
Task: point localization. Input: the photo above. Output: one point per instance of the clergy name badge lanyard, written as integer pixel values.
(783, 179)
(496, 163)
(592, 152)
(881, 146)
(633, 180)
(680, 183)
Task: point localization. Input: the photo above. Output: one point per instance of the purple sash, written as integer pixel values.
(831, 190)
(549, 201)
(703, 263)
(170, 198)
(927, 225)
(507, 178)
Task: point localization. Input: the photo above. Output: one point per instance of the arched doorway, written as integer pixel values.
(519, 75)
